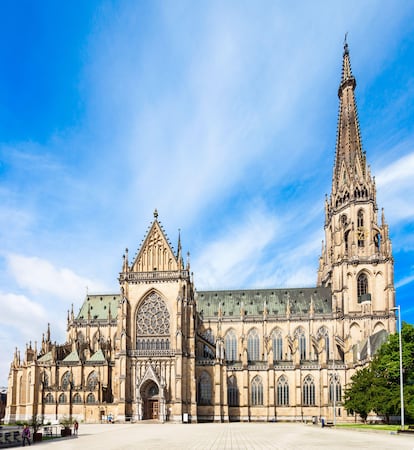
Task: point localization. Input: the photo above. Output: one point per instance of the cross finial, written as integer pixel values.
(155, 213)
(346, 43)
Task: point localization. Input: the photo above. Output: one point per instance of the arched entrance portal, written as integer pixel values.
(151, 400)
(151, 396)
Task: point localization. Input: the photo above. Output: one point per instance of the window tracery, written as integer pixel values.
(204, 389)
(232, 391)
(362, 287)
(153, 324)
(282, 391)
(335, 390)
(253, 350)
(230, 342)
(256, 391)
(308, 391)
(92, 381)
(277, 344)
(66, 380)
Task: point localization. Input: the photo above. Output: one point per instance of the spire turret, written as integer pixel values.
(350, 161)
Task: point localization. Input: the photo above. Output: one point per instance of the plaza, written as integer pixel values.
(152, 435)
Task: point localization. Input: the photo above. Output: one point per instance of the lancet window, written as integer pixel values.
(277, 344)
(92, 381)
(308, 391)
(204, 389)
(256, 391)
(77, 399)
(335, 390)
(300, 335)
(230, 342)
(282, 391)
(66, 379)
(253, 346)
(362, 287)
(62, 398)
(232, 391)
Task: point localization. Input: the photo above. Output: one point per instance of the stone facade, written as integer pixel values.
(160, 349)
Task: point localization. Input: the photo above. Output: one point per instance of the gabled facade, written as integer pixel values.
(160, 349)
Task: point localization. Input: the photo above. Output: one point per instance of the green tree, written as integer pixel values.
(357, 396)
(377, 387)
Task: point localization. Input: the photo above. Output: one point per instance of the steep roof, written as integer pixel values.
(72, 357)
(98, 306)
(253, 301)
(97, 357)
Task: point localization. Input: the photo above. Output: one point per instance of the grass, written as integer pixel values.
(382, 426)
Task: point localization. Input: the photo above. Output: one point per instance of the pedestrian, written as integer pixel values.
(26, 435)
(75, 427)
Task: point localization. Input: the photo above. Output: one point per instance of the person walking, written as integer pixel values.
(26, 435)
(75, 427)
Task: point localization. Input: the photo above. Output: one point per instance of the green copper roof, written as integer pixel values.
(99, 306)
(253, 301)
(72, 357)
(97, 357)
(46, 357)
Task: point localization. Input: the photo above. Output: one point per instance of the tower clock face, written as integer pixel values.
(361, 233)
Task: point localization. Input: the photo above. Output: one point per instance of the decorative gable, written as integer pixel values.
(156, 253)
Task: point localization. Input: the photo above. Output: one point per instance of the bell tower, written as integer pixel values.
(356, 260)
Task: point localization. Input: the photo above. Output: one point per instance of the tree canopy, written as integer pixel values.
(377, 386)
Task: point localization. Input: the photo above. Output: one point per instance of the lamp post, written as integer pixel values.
(398, 308)
(334, 389)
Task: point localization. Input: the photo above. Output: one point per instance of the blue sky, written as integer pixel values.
(222, 115)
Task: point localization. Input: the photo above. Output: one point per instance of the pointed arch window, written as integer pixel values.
(204, 389)
(232, 391)
(308, 391)
(360, 229)
(277, 344)
(362, 288)
(62, 398)
(335, 390)
(323, 333)
(253, 346)
(282, 391)
(256, 391)
(230, 343)
(153, 323)
(92, 381)
(66, 380)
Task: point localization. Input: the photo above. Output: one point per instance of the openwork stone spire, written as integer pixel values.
(350, 162)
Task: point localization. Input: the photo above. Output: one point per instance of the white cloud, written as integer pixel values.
(39, 276)
(396, 188)
(232, 258)
(22, 313)
(404, 281)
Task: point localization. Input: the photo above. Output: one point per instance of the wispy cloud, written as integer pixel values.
(396, 188)
(223, 117)
(39, 276)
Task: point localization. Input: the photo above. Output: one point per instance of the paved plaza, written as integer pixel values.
(249, 436)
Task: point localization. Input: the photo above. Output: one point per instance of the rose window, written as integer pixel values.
(153, 324)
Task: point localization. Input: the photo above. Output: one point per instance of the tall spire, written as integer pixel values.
(348, 145)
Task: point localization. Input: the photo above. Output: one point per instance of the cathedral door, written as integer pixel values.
(154, 408)
(150, 396)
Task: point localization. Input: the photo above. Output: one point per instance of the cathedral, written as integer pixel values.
(160, 349)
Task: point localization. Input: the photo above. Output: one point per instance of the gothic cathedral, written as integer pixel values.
(160, 349)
